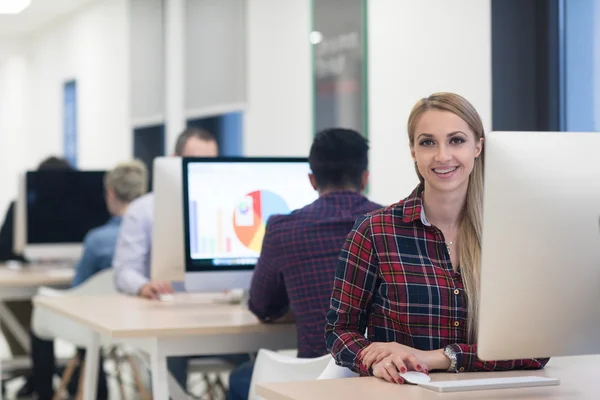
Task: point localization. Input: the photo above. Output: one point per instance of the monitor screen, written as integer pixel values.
(62, 206)
(228, 201)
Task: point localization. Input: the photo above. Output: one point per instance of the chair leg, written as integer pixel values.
(219, 383)
(66, 378)
(138, 380)
(119, 377)
(209, 387)
(81, 380)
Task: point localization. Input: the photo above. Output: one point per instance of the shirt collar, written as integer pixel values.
(413, 207)
(115, 220)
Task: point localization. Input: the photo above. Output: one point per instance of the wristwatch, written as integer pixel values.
(451, 355)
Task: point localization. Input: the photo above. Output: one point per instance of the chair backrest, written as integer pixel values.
(334, 371)
(45, 324)
(275, 367)
(101, 283)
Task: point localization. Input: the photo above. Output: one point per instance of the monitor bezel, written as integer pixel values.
(192, 265)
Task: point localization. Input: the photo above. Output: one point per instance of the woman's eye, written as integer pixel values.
(457, 140)
(426, 142)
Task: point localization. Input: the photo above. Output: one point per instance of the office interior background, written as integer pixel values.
(102, 81)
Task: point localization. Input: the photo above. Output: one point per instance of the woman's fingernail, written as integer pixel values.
(400, 381)
(427, 371)
(403, 370)
(419, 368)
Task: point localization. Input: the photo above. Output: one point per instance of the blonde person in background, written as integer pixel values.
(123, 184)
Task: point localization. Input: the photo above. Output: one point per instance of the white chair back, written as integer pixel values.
(275, 367)
(334, 371)
(49, 326)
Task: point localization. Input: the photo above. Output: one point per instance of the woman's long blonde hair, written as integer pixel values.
(469, 233)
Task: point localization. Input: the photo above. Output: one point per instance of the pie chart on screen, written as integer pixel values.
(252, 213)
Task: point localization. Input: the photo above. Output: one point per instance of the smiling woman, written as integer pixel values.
(409, 273)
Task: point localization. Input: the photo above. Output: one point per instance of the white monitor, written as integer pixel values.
(167, 261)
(540, 282)
(227, 202)
(54, 211)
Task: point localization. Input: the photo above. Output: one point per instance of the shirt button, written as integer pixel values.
(456, 323)
(456, 291)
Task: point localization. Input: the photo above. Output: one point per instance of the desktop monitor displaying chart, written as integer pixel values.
(228, 202)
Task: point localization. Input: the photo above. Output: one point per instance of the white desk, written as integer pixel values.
(21, 284)
(196, 326)
(579, 376)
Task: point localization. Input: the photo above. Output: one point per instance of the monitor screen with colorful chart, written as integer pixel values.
(228, 202)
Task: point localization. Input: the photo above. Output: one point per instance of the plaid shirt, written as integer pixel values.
(298, 261)
(395, 279)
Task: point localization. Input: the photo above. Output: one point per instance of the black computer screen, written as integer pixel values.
(62, 206)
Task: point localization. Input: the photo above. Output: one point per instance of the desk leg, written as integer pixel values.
(1, 397)
(90, 372)
(158, 365)
(12, 323)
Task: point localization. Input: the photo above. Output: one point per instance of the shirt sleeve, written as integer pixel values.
(268, 295)
(131, 252)
(88, 265)
(353, 288)
(467, 361)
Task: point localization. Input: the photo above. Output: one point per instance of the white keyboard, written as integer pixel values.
(490, 383)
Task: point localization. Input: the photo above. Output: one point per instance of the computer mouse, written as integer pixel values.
(166, 297)
(415, 377)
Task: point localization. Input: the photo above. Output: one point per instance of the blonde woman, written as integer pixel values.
(409, 273)
(123, 184)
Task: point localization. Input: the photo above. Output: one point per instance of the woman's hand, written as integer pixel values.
(394, 357)
(388, 360)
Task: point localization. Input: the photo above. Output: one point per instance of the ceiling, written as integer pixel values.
(37, 15)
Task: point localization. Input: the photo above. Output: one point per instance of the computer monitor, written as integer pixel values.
(227, 203)
(540, 278)
(167, 261)
(60, 208)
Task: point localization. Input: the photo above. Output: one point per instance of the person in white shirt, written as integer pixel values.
(131, 261)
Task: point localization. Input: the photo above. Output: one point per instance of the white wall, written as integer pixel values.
(278, 117)
(417, 48)
(91, 47)
(14, 113)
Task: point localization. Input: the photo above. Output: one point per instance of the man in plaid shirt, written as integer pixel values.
(300, 251)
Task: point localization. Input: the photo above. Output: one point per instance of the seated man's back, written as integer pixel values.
(299, 258)
(300, 251)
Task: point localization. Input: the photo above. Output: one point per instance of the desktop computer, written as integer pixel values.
(167, 261)
(540, 278)
(55, 210)
(226, 205)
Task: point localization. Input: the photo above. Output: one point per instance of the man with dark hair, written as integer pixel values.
(131, 260)
(194, 141)
(300, 251)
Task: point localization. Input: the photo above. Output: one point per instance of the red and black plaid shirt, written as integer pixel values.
(395, 280)
(297, 264)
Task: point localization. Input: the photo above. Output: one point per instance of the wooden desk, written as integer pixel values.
(192, 325)
(22, 283)
(579, 378)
